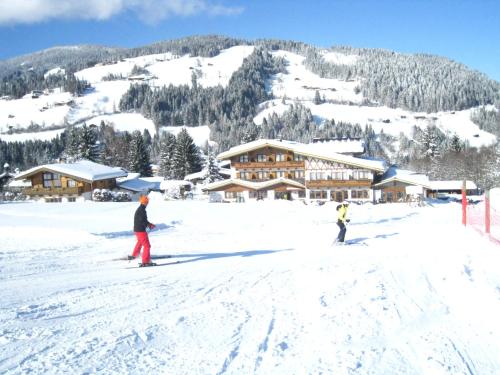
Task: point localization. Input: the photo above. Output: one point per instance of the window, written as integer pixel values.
(339, 196)
(280, 157)
(298, 157)
(243, 158)
(316, 176)
(261, 157)
(259, 195)
(262, 175)
(359, 194)
(318, 194)
(245, 175)
(71, 183)
(337, 175)
(362, 175)
(299, 173)
(280, 174)
(231, 194)
(51, 180)
(71, 199)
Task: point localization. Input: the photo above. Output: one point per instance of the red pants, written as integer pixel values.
(142, 241)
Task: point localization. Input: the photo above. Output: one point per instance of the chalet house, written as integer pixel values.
(277, 169)
(399, 185)
(69, 181)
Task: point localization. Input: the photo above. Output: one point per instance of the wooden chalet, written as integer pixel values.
(69, 181)
(276, 169)
(399, 185)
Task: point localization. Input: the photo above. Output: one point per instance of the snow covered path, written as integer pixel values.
(257, 290)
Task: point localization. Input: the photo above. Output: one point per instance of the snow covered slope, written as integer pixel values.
(296, 85)
(408, 297)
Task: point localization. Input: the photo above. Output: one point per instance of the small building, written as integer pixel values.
(400, 185)
(439, 188)
(69, 182)
(137, 186)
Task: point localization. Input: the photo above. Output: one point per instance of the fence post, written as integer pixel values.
(464, 205)
(487, 211)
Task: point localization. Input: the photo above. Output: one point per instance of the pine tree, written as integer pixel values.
(138, 158)
(212, 168)
(71, 150)
(88, 147)
(187, 158)
(167, 153)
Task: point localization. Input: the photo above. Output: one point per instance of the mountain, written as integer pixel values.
(238, 90)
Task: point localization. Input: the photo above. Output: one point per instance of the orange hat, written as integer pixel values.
(143, 199)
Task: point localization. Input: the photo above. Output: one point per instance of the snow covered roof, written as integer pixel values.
(452, 185)
(405, 176)
(85, 170)
(253, 185)
(341, 146)
(197, 175)
(140, 184)
(168, 184)
(257, 144)
(323, 151)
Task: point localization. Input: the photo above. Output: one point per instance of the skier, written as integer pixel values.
(140, 224)
(341, 221)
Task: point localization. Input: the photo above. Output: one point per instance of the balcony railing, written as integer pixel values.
(337, 183)
(269, 164)
(53, 191)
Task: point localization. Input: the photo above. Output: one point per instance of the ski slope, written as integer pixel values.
(257, 290)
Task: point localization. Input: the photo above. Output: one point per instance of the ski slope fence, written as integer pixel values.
(483, 216)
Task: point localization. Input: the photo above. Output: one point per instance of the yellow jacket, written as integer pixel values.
(342, 213)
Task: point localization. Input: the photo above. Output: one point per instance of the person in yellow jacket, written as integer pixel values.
(341, 221)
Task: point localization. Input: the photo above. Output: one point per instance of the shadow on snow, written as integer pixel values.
(208, 256)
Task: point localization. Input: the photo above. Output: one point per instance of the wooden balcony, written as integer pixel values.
(269, 165)
(53, 191)
(316, 184)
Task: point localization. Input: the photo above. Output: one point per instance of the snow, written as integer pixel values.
(125, 122)
(300, 83)
(199, 134)
(396, 120)
(296, 85)
(258, 290)
(83, 169)
(339, 58)
(452, 185)
(169, 69)
(55, 71)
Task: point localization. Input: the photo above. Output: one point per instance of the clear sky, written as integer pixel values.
(467, 31)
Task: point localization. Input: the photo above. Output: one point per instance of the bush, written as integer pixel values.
(104, 195)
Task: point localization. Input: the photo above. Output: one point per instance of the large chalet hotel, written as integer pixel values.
(277, 169)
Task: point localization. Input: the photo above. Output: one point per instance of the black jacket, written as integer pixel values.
(141, 219)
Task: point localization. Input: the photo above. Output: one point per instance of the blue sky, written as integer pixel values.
(467, 31)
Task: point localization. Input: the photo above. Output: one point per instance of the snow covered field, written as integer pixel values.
(257, 290)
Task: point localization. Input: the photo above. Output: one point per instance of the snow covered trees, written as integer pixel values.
(167, 153)
(81, 143)
(186, 156)
(138, 156)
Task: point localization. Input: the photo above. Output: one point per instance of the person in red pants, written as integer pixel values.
(140, 224)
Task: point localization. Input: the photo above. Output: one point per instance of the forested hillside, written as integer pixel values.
(298, 91)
